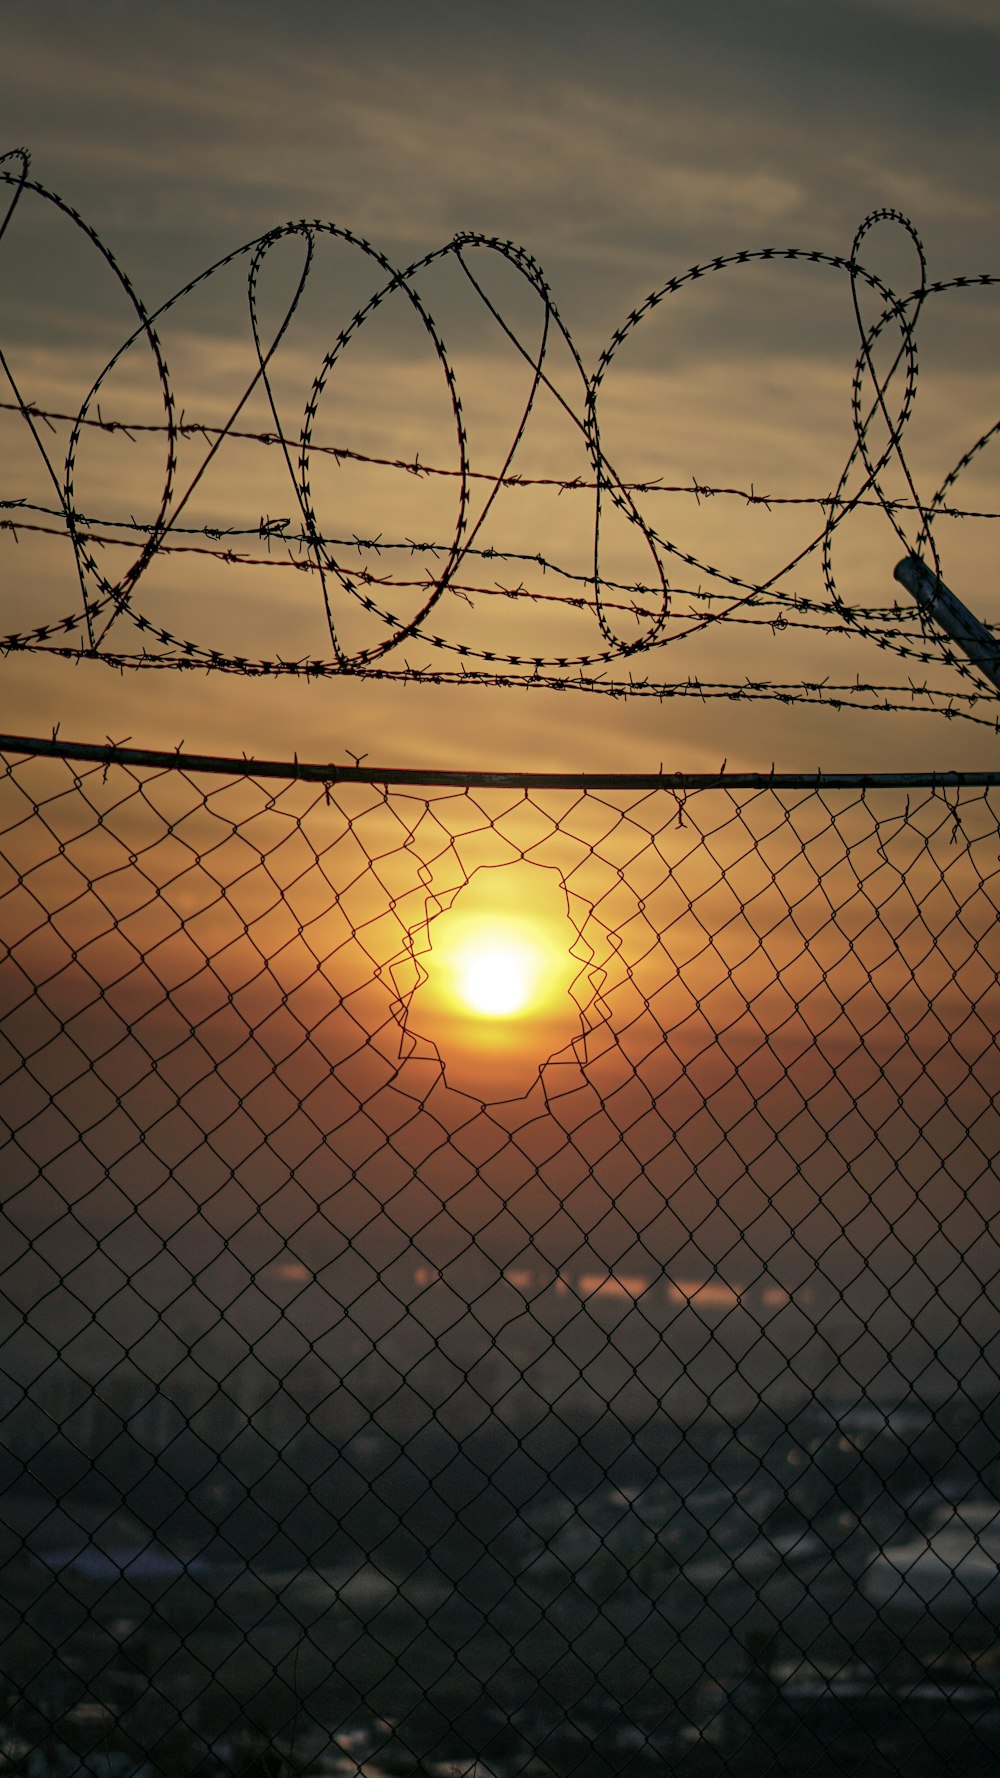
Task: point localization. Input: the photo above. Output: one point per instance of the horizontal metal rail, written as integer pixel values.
(108, 753)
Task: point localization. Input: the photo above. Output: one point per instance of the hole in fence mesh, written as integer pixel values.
(498, 980)
(355, 1418)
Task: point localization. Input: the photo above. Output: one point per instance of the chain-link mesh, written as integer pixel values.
(577, 1358)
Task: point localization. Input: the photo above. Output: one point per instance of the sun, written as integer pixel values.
(496, 971)
(496, 977)
(491, 964)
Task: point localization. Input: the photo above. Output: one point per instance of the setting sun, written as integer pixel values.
(495, 995)
(497, 977)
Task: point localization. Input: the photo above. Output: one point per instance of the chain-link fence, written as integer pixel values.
(497, 1279)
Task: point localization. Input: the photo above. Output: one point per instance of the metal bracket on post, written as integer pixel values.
(944, 609)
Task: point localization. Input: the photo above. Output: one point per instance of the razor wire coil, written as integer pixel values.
(439, 607)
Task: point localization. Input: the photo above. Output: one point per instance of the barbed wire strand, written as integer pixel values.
(657, 619)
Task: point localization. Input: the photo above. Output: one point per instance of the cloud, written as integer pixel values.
(980, 14)
(639, 128)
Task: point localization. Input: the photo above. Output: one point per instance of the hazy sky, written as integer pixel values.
(618, 146)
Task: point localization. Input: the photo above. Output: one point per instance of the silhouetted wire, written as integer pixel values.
(356, 1398)
(357, 1416)
(666, 611)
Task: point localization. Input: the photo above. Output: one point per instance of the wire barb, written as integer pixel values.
(428, 620)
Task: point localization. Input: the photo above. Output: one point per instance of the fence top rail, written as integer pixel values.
(109, 753)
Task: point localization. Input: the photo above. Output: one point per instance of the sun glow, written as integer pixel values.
(501, 964)
(497, 969)
(497, 975)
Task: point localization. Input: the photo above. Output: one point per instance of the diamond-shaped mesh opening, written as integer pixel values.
(604, 1380)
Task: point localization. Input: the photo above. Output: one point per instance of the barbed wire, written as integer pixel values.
(413, 466)
(269, 529)
(683, 596)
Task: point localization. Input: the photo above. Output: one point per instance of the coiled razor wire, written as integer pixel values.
(423, 608)
(382, 1395)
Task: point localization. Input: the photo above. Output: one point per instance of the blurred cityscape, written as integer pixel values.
(289, 1568)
